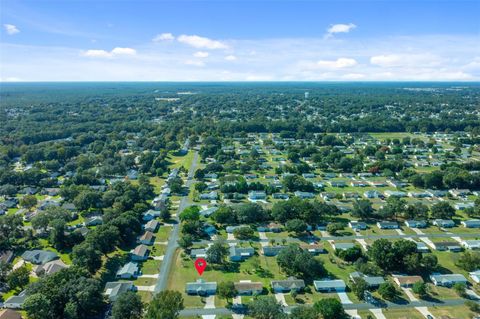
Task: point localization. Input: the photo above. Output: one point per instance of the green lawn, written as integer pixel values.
(150, 267)
(458, 312)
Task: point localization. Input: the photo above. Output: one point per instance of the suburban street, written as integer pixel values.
(172, 245)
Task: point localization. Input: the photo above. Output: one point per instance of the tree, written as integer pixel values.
(37, 306)
(334, 228)
(350, 254)
(460, 288)
(420, 288)
(266, 307)
(303, 312)
(442, 210)
(18, 278)
(185, 241)
(28, 201)
(359, 286)
(330, 308)
(469, 260)
(381, 253)
(243, 232)
(217, 252)
(298, 262)
(166, 305)
(226, 290)
(297, 226)
(87, 256)
(388, 291)
(224, 215)
(127, 306)
(429, 262)
(362, 209)
(57, 237)
(191, 213)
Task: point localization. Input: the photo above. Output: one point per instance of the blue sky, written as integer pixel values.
(239, 40)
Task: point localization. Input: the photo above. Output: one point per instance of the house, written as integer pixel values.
(377, 183)
(350, 195)
(94, 221)
(343, 246)
(257, 195)
(69, 206)
(114, 289)
(472, 223)
(372, 281)
(140, 253)
(9, 314)
(209, 211)
(240, 253)
(337, 183)
(356, 225)
(50, 267)
(280, 196)
(372, 194)
(450, 246)
(128, 271)
(447, 280)
(436, 193)
(231, 229)
(150, 215)
(304, 195)
(387, 225)
(272, 227)
(209, 229)
(308, 175)
(147, 238)
(271, 250)
(463, 206)
(416, 223)
(475, 275)
(444, 223)
(326, 196)
(201, 288)
(197, 253)
(358, 184)
(473, 244)
(16, 302)
(247, 287)
(422, 247)
(152, 226)
(406, 281)
(39, 257)
(313, 249)
(389, 193)
(418, 194)
(459, 192)
(330, 285)
(213, 195)
(6, 256)
(287, 285)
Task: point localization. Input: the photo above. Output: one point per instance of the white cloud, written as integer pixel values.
(353, 76)
(406, 60)
(201, 42)
(201, 54)
(109, 54)
(194, 63)
(163, 37)
(11, 29)
(230, 58)
(340, 28)
(337, 64)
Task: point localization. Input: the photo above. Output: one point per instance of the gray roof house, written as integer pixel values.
(444, 223)
(140, 253)
(127, 271)
(372, 281)
(209, 196)
(473, 244)
(240, 253)
(343, 246)
(330, 285)
(115, 289)
(16, 302)
(416, 223)
(472, 223)
(50, 267)
(257, 195)
(287, 285)
(387, 225)
(304, 195)
(196, 253)
(152, 225)
(201, 288)
(247, 287)
(271, 250)
(475, 275)
(39, 257)
(448, 245)
(355, 224)
(447, 280)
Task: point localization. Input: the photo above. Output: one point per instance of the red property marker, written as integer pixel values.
(200, 265)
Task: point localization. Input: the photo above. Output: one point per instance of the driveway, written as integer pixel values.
(353, 313)
(362, 242)
(281, 299)
(409, 294)
(378, 313)
(209, 304)
(424, 311)
(344, 298)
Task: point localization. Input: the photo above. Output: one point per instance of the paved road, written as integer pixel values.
(172, 245)
(352, 237)
(191, 312)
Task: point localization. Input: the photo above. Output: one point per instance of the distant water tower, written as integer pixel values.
(306, 95)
